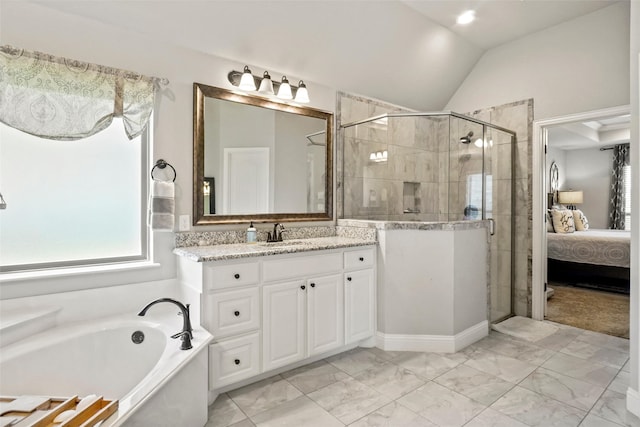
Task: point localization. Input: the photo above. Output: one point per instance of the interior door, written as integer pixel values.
(246, 180)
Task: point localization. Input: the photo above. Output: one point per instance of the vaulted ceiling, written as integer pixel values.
(407, 52)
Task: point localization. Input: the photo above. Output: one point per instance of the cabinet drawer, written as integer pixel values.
(301, 266)
(233, 312)
(361, 258)
(218, 276)
(233, 360)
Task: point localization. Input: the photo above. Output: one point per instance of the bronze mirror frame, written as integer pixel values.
(200, 91)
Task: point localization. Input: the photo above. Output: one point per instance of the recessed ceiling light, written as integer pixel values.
(466, 17)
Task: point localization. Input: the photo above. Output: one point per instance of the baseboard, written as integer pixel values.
(432, 343)
(633, 401)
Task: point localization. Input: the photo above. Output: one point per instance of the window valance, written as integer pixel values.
(64, 99)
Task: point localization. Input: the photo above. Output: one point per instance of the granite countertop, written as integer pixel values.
(248, 250)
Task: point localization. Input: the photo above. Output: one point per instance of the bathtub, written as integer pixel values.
(150, 379)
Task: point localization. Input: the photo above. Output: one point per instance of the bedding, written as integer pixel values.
(599, 247)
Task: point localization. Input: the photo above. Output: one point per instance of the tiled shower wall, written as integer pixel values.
(415, 140)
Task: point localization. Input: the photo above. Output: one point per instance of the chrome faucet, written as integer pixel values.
(187, 332)
(276, 236)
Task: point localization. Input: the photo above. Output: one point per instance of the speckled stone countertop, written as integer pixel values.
(248, 250)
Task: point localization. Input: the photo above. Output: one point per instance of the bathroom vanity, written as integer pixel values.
(271, 306)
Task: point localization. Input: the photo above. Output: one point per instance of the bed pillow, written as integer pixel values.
(549, 222)
(563, 221)
(580, 220)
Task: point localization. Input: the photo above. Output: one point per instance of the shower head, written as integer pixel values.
(467, 138)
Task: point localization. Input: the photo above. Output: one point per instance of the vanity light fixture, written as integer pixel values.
(284, 92)
(379, 156)
(247, 82)
(267, 87)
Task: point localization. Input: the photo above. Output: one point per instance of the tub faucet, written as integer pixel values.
(276, 236)
(187, 332)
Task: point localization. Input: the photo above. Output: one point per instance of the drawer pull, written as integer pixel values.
(236, 313)
(237, 276)
(313, 285)
(361, 259)
(303, 287)
(349, 278)
(237, 361)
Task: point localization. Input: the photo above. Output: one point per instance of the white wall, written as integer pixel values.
(589, 170)
(581, 65)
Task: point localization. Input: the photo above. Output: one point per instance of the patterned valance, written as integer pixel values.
(64, 99)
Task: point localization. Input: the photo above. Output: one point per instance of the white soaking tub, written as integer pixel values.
(155, 382)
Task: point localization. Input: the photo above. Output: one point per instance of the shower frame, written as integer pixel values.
(485, 126)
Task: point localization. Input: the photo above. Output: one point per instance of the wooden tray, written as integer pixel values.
(44, 415)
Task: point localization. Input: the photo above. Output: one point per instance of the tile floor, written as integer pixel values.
(572, 377)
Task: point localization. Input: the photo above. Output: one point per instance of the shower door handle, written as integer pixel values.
(492, 226)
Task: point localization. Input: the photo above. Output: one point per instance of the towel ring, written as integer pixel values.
(161, 164)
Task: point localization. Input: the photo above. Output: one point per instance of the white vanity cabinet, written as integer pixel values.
(267, 312)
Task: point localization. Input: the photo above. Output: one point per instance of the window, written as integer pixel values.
(72, 203)
(627, 197)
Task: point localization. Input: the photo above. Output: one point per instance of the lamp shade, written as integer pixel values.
(266, 85)
(284, 91)
(246, 81)
(302, 95)
(570, 197)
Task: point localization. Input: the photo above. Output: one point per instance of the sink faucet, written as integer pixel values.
(187, 332)
(276, 236)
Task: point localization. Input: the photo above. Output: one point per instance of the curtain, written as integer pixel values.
(64, 99)
(617, 199)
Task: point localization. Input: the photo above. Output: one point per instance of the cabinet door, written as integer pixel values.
(360, 302)
(283, 323)
(325, 314)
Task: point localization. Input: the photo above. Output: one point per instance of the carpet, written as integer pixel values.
(525, 328)
(597, 311)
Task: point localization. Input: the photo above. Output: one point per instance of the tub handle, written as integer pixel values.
(236, 313)
(237, 361)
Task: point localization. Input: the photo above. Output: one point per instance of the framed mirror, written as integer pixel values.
(260, 160)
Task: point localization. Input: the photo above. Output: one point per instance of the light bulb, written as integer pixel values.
(284, 92)
(247, 82)
(466, 17)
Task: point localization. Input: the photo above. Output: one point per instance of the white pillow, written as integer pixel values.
(580, 220)
(563, 221)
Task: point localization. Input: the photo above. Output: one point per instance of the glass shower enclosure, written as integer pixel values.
(435, 167)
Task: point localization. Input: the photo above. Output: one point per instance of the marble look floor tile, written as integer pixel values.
(604, 340)
(530, 353)
(264, 395)
(504, 367)
(492, 418)
(612, 406)
(560, 339)
(477, 385)
(300, 411)
(244, 423)
(620, 383)
(581, 369)
(571, 391)
(393, 415)
(595, 421)
(383, 354)
(314, 376)
(354, 361)
(224, 412)
(594, 353)
(626, 367)
(349, 400)
(429, 365)
(534, 409)
(390, 379)
(441, 406)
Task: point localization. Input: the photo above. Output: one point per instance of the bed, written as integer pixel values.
(592, 258)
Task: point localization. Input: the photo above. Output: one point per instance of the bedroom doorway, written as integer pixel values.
(567, 141)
